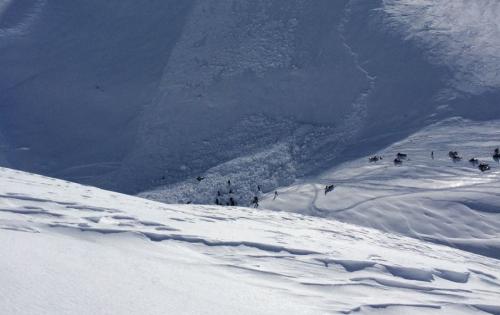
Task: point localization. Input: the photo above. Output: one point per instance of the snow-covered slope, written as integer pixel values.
(132, 95)
(461, 34)
(75, 249)
(437, 200)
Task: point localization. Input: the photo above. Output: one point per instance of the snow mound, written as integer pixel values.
(85, 250)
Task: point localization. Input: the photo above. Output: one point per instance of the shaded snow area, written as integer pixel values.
(130, 96)
(74, 249)
(437, 200)
(464, 35)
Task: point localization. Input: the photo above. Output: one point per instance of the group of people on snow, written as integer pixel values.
(225, 196)
(452, 154)
(231, 201)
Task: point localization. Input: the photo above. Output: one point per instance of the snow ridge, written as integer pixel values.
(224, 255)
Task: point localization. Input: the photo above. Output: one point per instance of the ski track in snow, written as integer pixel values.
(436, 200)
(317, 265)
(356, 120)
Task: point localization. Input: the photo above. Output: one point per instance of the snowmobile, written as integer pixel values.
(398, 161)
(374, 158)
(329, 188)
(454, 156)
(474, 161)
(484, 167)
(401, 156)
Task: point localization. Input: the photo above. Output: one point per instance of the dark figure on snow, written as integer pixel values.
(232, 202)
(474, 161)
(454, 156)
(484, 167)
(275, 195)
(398, 161)
(229, 182)
(231, 191)
(217, 202)
(329, 188)
(374, 158)
(401, 156)
(432, 155)
(258, 188)
(496, 155)
(199, 178)
(255, 202)
(189, 202)
(218, 193)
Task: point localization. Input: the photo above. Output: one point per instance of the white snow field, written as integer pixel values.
(72, 249)
(437, 200)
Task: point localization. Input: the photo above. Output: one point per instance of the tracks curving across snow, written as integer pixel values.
(432, 199)
(332, 266)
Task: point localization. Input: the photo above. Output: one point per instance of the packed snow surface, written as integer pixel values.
(434, 199)
(75, 249)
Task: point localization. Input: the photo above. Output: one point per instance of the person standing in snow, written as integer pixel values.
(275, 195)
(432, 155)
(255, 202)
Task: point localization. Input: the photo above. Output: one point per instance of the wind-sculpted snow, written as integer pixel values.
(439, 200)
(84, 250)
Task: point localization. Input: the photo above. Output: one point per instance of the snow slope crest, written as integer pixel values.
(89, 243)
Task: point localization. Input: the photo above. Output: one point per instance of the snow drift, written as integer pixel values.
(77, 249)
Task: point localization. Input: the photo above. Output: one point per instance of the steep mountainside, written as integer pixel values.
(131, 95)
